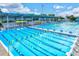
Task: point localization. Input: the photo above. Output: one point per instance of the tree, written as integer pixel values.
(56, 19)
(71, 18)
(51, 14)
(0, 11)
(60, 18)
(1, 26)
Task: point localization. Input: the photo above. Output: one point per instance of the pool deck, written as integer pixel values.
(3, 51)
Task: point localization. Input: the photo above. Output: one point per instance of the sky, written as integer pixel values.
(44, 8)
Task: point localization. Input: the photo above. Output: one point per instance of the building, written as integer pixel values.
(17, 19)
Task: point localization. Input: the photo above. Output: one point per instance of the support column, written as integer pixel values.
(22, 20)
(32, 21)
(7, 22)
(39, 19)
(50, 20)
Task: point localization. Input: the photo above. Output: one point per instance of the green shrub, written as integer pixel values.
(38, 22)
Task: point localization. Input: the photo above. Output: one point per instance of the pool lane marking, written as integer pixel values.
(49, 45)
(55, 41)
(54, 31)
(8, 41)
(23, 44)
(41, 48)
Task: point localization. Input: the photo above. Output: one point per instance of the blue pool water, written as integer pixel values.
(65, 26)
(32, 42)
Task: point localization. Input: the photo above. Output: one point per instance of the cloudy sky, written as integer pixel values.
(37, 8)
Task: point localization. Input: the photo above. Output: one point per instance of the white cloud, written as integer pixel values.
(21, 10)
(58, 7)
(4, 10)
(74, 11)
(36, 11)
(1, 4)
(15, 7)
(11, 5)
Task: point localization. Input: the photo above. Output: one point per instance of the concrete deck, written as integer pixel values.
(3, 52)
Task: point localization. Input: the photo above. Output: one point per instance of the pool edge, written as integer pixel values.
(6, 48)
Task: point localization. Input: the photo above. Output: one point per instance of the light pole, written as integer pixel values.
(42, 10)
(7, 29)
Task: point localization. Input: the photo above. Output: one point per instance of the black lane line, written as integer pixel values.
(62, 39)
(56, 42)
(24, 33)
(8, 43)
(48, 44)
(37, 49)
(40, 47)
(53, 37)
(23, 44)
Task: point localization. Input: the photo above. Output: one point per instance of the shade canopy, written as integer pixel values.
(24, 15)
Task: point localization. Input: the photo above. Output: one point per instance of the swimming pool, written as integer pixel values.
(31, 42)
(66, 27)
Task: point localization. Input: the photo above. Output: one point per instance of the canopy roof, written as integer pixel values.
(24, 15)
